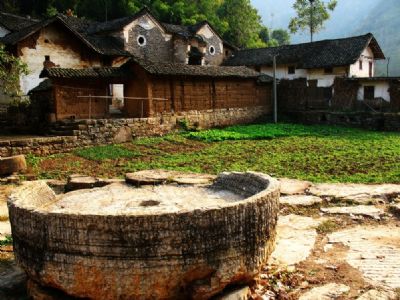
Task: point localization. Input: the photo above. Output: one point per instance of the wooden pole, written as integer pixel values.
(275, 93)
(90, 107)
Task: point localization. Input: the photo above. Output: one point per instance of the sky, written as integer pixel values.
(277, 14)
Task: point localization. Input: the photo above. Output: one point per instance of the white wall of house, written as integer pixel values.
(366, 58)
(324, 80)
(48, 44)
(3, 31)
(381, 89)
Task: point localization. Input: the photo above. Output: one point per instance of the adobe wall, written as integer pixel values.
(365, 120)
(109, 131)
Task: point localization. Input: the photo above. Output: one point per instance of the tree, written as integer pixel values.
(311, 15)
(244, 23)
(281, 36)
(11, 69)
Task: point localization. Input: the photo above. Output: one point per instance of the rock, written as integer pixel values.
(395, 209)
(296, 237)
(239, 294)
(3, 211)
(58, 186)
(81, 182)
(123, 135)
(358, 193)
(326, 292)
(375, 251)
(300, 200)
(378, 295)
(152, 177)
(293, 186)
(360, 210)
(13, 164)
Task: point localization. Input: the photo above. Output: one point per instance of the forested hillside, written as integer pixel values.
(384, 22)
(237, 20)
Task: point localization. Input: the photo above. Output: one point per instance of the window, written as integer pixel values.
(361, 64)
(369, 92)
(371, 68)
(328, 70)
(47, 58)
(291, 70)
(212, 50)
(141, 40)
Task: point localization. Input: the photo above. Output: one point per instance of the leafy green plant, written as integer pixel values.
(100, 153)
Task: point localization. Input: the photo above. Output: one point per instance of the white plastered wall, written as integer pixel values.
(60, 55)
(324, 80)
(366, 57)
(381, 89)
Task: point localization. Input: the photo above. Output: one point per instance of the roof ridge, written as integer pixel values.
(307, 43)
(20, 17)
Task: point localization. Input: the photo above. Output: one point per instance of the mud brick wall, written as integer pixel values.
(292, 94)
(394, 91)
(345, 94)
(366, 120)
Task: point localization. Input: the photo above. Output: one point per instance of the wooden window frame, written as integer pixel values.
(369, 92)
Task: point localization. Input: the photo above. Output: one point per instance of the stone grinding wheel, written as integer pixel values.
(190, 253)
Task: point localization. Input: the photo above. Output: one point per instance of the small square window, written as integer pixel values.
(47, 58)
(369, 92)
(361, 64)
(328, 70)
(291, 69)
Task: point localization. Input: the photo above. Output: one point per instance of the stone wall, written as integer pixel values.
(108, 131)
(366, 120)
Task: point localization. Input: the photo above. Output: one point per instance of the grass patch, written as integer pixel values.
(100, 153)
(327, 226)
(267, 131)
(315, 153)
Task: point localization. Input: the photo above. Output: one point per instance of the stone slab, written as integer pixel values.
(375, 251)
(300, 200)
(395, 208)
(358, 193)
(5, 229)
(359, 210)
(153, 177)
(239, 294)
(378, 295)
(296, 236)
(293, 186)
(326, 292)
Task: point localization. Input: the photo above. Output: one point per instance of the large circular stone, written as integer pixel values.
(155, 242)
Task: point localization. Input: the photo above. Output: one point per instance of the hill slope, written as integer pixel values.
(384, 22)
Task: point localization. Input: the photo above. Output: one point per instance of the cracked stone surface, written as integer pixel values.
(326, 292)
(375, 251)
(296, 237)
(293, 186)
(378, 295)
(360, 210)
(300, 200)
(359, 193)
(151, 177)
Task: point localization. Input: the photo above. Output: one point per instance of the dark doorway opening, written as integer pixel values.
(195, 56)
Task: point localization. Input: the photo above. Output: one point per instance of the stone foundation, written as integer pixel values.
(109, 131)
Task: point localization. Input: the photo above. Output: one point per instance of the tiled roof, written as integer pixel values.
(95, 73)
(321, 54)
(105, 45)
(14, 23)
(174, 69)
(43, 86)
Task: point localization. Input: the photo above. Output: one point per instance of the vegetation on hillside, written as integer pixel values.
(237, 20)
(316, 153)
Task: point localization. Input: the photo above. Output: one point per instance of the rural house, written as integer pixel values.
(152, 89)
